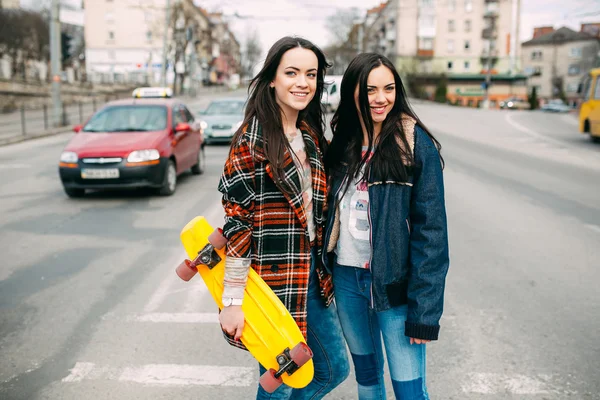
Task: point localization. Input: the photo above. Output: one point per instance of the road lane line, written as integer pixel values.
(595, 228)
(530, 132)
(180, 318)
(165, 374)
(79, 372)
(492, 383)
(164, 287)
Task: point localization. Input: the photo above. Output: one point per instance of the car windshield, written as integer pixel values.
(128, 118)
(235, 107)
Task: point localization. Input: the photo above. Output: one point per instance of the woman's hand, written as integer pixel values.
(232, 321)
(418, 341)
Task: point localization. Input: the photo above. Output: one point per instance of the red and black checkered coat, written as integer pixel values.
(269, 227)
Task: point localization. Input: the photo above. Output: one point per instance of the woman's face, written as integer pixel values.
(381, 89)
(295, 81)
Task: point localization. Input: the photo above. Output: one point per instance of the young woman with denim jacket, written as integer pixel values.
(386, 236)
(274, 193)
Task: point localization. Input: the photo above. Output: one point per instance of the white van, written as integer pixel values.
(331, 92)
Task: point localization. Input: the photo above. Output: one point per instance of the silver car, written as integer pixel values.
(221, 119)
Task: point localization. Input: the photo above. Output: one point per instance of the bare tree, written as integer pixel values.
(252, 53)
(340, 24)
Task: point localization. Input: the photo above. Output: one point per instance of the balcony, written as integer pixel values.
(493, 53)
(423, 53)
(489, 33)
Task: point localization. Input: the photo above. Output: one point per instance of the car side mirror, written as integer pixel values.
(77, 128)
(182, 127)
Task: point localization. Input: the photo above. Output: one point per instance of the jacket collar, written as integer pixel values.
(255, 133)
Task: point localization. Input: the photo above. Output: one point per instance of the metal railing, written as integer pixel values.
(37, 120)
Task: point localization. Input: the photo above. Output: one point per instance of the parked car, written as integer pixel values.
(556, 105)
(331, 92)
(146, 141)
(221, 119)
(515, 103)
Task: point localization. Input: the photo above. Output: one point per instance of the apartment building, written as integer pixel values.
(557, 61)
(124, 41)
(447, 36)
(8, 4)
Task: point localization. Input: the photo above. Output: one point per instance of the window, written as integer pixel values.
(111, 35)
(468, 5)
(574, 69)
(575, 52)
(426, 43)
(149, 36)
(450, 46)
(537, 71)
(452, 5)
(451, 25)
(597, 90)
(572, 87)
(536, 55)
(449, 65)
(467, 65)
(467, 45)
(468, 25)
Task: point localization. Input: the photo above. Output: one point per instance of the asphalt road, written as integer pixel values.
(90, 307)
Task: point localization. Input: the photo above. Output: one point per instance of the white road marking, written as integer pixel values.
(531, 132)
(179, 318)
(14, 166)
(162, 291)
(491, 383)
(196, 291)
(595, 228)
(166, 374)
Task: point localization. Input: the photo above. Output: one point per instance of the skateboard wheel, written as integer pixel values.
(300, 354)
(269, 382)
(217, 239)
(185, 271)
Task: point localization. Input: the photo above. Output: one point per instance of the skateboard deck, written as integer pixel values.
(270, 333)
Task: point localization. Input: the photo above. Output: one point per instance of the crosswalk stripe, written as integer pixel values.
(166, 374)
(181, 318)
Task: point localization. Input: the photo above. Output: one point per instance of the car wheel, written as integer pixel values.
(74, 193)
(170, 181)
(199, 168)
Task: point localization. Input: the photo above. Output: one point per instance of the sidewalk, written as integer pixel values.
(14, 120)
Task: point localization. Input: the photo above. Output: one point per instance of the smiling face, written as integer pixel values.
(295, 81)
(381, 90)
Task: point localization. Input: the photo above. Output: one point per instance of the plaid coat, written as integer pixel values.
(269, 227)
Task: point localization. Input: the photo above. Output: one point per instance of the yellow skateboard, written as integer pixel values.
(270, 333)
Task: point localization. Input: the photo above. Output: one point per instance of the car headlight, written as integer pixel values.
(510, 103)
(69, 157)
(143, 155)
(203, 125)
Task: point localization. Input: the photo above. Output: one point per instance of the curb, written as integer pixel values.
(24, 138)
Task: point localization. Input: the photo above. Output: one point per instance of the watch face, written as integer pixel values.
(227, 302)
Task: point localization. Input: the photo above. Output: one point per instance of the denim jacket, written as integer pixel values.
(409, 238)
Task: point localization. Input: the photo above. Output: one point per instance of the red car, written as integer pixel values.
(133, 143)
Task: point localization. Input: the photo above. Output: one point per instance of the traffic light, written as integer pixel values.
(65, 46)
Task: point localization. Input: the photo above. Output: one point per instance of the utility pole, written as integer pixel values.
(55, 60)
(163, 73)
(490, 33)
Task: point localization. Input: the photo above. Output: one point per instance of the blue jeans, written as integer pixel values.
(326, 341)
(363, 328)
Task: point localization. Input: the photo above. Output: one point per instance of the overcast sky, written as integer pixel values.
(276, 18)
(307, 17)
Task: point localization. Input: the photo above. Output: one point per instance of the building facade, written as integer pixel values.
(124, 42)
(557, 62)
(447, 36)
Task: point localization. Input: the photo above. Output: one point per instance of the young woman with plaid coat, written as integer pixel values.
(274, 194)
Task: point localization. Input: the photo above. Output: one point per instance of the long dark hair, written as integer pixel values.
(391, 161)
(263, 106)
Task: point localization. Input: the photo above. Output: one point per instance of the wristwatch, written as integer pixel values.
(232, 302)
